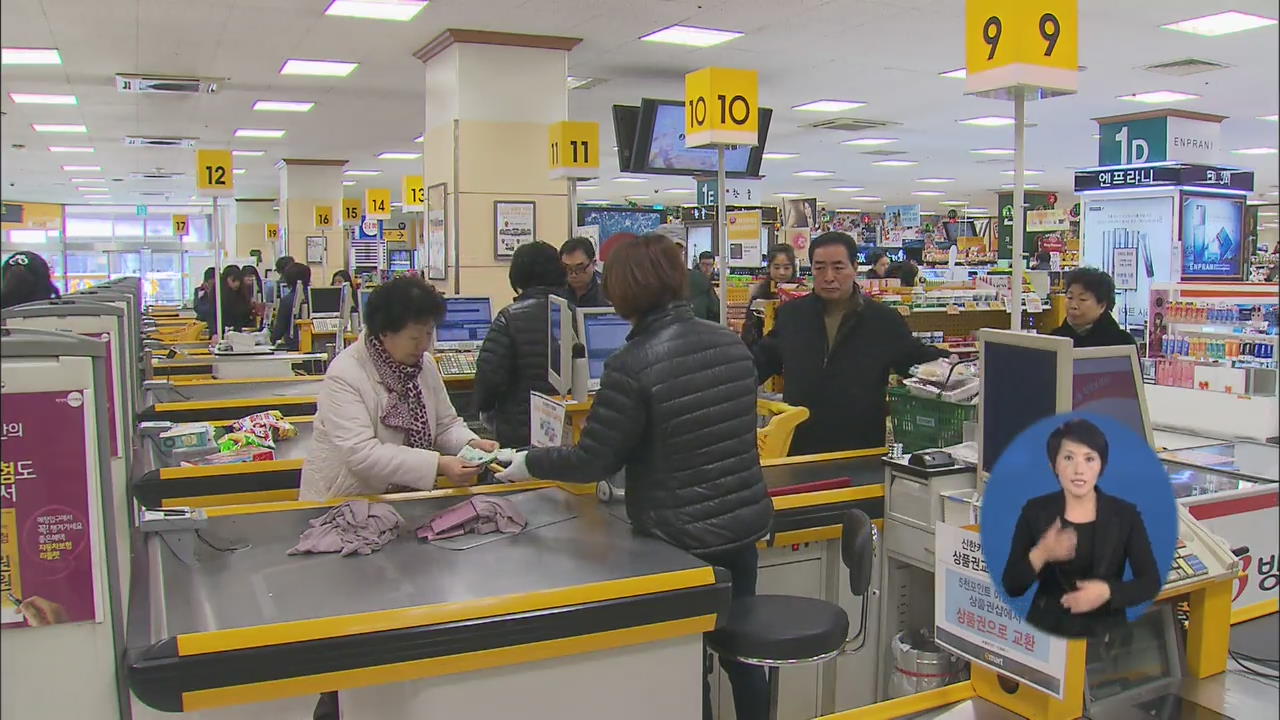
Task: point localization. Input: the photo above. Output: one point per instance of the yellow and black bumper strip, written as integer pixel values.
(152, 488)
(211, 410)
(188, 673)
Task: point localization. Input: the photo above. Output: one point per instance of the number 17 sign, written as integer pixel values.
(1033, 44)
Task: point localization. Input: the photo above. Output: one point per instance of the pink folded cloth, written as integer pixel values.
(355, 526)
(481, 515)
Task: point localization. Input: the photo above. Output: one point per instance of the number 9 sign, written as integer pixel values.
(1028, 43)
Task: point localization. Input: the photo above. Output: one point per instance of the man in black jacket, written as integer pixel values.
(584, 288)
(513, 359)
(835, 348)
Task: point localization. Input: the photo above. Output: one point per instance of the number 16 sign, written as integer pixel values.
(1033, 44)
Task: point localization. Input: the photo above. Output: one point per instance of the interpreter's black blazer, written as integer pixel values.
(1120, 538)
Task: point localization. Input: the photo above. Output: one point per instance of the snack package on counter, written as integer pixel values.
(186, 435)
(186, 456)
(233, 457)
(945, 372)
(472, 456)
(268, 426)
(241, 440)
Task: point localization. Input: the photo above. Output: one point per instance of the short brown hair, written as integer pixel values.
(644, 274)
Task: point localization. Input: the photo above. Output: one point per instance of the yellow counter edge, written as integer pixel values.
(909, 705)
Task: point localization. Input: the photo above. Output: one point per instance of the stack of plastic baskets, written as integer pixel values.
(920, 423)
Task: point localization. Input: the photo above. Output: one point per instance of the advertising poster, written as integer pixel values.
(744, 238)
(546, 421)
(902, 222)
(1125, 262)
(437, 233)
(800, 213)
(590, 232)
(798, 238)
(972, 620)
(513, 226)
(1047, 220)
(47, 538)
(1144, 225)
(1212, 237)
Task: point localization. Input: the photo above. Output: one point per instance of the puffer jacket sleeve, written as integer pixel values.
(768, 354)
(613, 432)
(374, 462)
(495, 364)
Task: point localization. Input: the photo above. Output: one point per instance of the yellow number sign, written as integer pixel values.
(377, 204)
(573, 150)
(721, 107)
(180, 226)
(273, 232)
(414, 194)
(324, 216)
(351, 210)
(1029, 43)
(214, 176)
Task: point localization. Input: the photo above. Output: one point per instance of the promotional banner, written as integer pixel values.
(744, 238)
(974, 622)
(1212, 237)
(437, 232)
(902, 223)
(1047, 220)
(1144, 225)
(546, 421)
(800, 213)
(47, 536)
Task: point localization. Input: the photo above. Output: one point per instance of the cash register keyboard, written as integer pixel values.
(1186, 564)
(324, 325)
(457, 363)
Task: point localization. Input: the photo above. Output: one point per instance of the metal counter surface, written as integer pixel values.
(262, 585)
(862, 471)
(233, 391)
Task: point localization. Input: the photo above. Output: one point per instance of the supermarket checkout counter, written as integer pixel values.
(283, 364)
(301, 405)
(393, 631)
(169, 391)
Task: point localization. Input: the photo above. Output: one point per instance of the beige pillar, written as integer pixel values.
(252, 217)
(304, 184)
(490, 99)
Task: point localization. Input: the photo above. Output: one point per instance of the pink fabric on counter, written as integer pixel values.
(355, 526)
(481, 515)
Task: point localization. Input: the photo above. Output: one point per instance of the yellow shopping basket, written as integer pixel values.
(774, 439)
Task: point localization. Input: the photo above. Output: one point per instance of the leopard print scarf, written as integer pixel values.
(406, 409)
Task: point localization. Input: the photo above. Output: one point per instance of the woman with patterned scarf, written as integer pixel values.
(383, 417)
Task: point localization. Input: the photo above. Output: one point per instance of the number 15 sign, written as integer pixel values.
(1034, 44)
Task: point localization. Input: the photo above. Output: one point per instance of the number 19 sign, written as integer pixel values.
(1034, 44)
(721, 107)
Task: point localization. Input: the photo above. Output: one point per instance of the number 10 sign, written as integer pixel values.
(1033, 44)
(720, 107)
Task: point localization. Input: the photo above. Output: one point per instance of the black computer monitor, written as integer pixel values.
(1108, 382)
(603, 332)
(1025, 378)
(325, 300)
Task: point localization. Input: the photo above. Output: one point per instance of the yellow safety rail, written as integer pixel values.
(774, 439)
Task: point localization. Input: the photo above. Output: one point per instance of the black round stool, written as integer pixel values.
(775, 631)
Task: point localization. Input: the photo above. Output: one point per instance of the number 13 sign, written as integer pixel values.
(1028, 43)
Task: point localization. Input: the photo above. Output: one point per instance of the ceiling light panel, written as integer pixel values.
(957, 74)
(814, 173)
(846, 188)
(248, 153)
(81, 168)
(71, 148)
(326, 68)
(398, 10)
(867, 198)
(1255, 151)
(84, 179)
(238, 171)
(829, 105)
(629, 179)
(418, 139)
(954, 202)
(691, 36)
(1025, 172)
(283, 105)
(870, 141)
(362, 172)
(779, 155)
(1158, 96)
(1025, 185)
(895, 163)
(42, 99)
(348, 182)
(935, 180)
(928, 193)
(59, 128)
(259, 133)
(399, 156)
(1221, 23)
(987, 121)
(29, 56)
(993, 151)
(91, 189)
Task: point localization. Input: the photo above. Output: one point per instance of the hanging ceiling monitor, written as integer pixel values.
(325, 302)
(560, 340)
(660, 148)
(1025, 378)
(1108, 381)
(626, 118)
(603, 333)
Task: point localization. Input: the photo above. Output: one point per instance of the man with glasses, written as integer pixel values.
(578, 256)
(834, 349)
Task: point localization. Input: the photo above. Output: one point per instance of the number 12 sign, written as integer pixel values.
(1034, 44)
(214, 175)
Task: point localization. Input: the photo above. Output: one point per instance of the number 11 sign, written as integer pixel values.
(573, 150)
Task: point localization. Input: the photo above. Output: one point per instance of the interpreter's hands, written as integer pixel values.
(457, 471)
(484, 445)
(1058, 544)
(518, 470)
(40, 612)
(1088, 596)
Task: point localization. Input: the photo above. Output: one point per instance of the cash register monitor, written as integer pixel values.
(466, 322)
(1025, 378)
(603, 332)
(1108, 381)
(560, 340)
(270, 294)
(325, 301)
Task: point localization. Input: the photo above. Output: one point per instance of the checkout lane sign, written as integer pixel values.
(972, 620)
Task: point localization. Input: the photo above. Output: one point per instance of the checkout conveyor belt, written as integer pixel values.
(247, 614)
(825, 507)
(216, 390)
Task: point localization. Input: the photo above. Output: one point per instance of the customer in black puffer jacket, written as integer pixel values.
(676, 408)
(513, 358)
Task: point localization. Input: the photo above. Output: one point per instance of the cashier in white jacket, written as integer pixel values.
(383, 417)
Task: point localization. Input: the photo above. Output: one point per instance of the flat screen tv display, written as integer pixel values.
(1212, 237)
(625, 120)
(616, 221)
(660, 150)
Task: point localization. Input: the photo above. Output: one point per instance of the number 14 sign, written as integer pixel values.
(1033, 44)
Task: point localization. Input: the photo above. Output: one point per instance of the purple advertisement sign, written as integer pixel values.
(47, 573)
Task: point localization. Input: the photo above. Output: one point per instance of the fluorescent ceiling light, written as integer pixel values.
(30, 56)
(1158, 96)
(895, 163)
(987, 121)
(935, 180)
(1220, 23)
(1025, 185)
(954, 202)
(928, 193)
(976, 211)
(846, 188)
(1025, 172)
(958, 74)
(870, 141)
(418, 139)
(813, 173)
(400, 10)
(362, 172)
(993, 151)
(1255, 151)
(248, 153)
(787, 195)
(97, 196)
(636, 197)
(42, 99)
(81, 168)
(682, 191)
(70, 148)
(238, 171)
(79, 180)
(348, 182)
(283, 105)
(867, 198)
(399, 156)
(691, 36)
(629, 179)
(59, 128)
(92, 189)
(829, 105)
(328, 68)
(1272, 118)
(259, 133)
(779, 155)
(598, 202)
